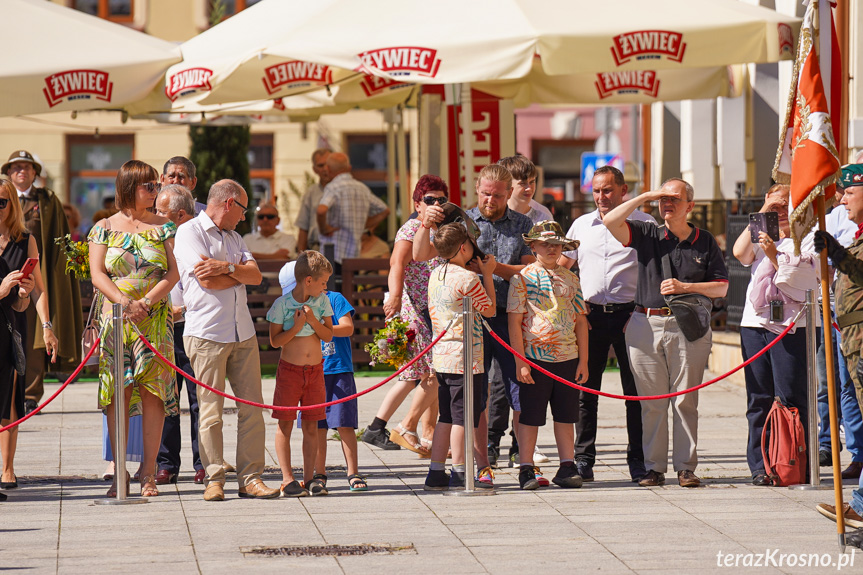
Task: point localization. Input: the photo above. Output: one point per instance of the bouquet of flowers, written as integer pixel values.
(77, 256)
(391, 343)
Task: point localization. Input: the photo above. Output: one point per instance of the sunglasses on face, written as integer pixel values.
(267, 216)
(4, 202)
(152, 186)
(432, 200)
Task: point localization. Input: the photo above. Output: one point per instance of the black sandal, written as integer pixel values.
(357, 483)
(318, 485)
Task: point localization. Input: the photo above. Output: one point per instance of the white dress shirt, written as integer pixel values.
(261, 244)
(608, 271)
(216, 315)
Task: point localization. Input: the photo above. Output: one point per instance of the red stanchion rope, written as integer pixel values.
(282, 407)
(641, 397)
(56, 393)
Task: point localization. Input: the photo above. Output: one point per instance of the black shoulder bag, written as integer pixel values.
(691, 310)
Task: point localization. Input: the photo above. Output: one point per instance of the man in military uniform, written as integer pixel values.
(46, 220)
(849, 316)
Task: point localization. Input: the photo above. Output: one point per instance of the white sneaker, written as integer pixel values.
(539, 456)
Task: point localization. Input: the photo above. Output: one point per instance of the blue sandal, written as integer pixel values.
(357, 483)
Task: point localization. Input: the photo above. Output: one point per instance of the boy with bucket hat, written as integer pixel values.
(548, 325)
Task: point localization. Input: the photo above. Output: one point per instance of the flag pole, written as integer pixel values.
(827, 328)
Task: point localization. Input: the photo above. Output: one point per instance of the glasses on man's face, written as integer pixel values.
(267, 216)
(236, 202)
(3, 203)
(152, 186)
(432, 200)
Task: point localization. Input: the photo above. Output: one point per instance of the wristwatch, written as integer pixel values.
(47, 325)
(231, 269)
(147, 301)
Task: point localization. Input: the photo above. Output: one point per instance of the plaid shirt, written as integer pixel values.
(502, 239)
(350, 203)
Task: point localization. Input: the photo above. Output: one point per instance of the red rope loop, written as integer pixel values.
(282, 407)
(56, 393)
(642, 397)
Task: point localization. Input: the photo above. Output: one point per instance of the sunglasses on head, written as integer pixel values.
(431, 200)
(4, 202)
(267, 216)
(152, 186)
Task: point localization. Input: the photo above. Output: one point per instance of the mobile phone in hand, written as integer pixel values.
(29, 266)
(764, 222)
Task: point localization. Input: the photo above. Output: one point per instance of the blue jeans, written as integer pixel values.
(849, 408)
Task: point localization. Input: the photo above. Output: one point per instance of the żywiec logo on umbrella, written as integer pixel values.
(374, 85)
(627, 82)
(295, 74)
(786, 39)
(648, 45)
(187, 81)
(77, 85)
(400, 61)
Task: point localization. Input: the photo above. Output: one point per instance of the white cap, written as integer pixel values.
(286, 277)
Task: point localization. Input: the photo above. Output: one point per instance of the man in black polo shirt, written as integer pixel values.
(664, 361)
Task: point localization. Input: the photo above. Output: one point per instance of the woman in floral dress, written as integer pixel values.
(408, 298)
(132, 263)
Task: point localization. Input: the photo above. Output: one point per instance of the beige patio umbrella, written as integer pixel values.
(453, 41)
(60, 59)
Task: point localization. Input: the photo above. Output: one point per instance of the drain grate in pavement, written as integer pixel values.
(328, 550)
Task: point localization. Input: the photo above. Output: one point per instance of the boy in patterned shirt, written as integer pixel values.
(449, 284)
(299, 321)
(548, 325)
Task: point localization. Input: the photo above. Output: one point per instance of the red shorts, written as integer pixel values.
(300, 385)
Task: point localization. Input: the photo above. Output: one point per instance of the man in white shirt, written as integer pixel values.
(307, 219)
(347, 209)
(215, 268)
(608, 280)
(269, 243)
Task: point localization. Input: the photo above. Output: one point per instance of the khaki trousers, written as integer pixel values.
(240, 362)
(664, 361)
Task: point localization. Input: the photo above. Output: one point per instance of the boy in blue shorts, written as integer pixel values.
(299, 321)
(548, 325)
(449, 284)
(339, 383)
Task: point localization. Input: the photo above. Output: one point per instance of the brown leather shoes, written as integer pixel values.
(163, 477)
(853, 470)
(256, 489)
(214, 492)
(687, 478)
(200, 475)
(852, 518)
(652, 479)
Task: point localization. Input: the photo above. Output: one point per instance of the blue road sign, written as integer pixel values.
(590, 161)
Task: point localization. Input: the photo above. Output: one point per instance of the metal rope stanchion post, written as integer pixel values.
(119, 414)
(467, 342)
(812, 392)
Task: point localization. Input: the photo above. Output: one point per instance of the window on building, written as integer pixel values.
(368, 155)
(114, 10)
(261, 168)
(231, 7)
(93, 163)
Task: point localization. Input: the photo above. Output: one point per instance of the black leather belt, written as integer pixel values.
(612, 307)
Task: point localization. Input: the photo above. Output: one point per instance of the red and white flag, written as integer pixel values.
(807, 157)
